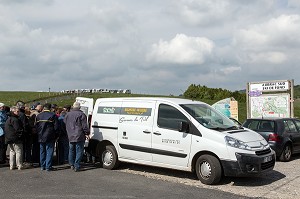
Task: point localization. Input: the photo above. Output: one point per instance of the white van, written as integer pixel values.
(176, 133)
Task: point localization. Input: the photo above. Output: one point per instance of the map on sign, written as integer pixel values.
(270, 106)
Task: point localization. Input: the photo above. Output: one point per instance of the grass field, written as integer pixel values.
(11, 97)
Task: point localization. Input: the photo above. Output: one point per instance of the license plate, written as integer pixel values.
(268, 158)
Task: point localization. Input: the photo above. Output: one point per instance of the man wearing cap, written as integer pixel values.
(47, 129)
(3, 118)
(78, 131)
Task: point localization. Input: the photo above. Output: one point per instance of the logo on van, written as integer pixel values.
(108, 110)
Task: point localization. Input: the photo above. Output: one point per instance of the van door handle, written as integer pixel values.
(157, 133)
(146, 132)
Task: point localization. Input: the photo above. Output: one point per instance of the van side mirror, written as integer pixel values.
(183, 127)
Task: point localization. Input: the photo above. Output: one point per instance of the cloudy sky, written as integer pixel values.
(151, 47)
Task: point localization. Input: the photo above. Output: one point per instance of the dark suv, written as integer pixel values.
(283, 134)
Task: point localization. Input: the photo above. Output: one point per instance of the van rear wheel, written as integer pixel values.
(208, 169)
(110, 157)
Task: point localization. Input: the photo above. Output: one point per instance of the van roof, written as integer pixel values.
(165, 99)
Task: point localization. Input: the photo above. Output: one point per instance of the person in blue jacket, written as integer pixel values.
(3, 118)
(47, 130)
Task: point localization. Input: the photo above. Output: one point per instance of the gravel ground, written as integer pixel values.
(282, 182)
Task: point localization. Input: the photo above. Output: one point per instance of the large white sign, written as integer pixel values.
(270, 86)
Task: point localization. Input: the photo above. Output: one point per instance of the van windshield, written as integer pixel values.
(209, 117)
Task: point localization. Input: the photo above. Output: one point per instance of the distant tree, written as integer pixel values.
(203, 92)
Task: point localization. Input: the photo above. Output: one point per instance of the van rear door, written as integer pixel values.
(86, 105)
(135, 130)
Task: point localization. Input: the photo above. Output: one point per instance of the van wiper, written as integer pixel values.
(219, 129)
(234, 128)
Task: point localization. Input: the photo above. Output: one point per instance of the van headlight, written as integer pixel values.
(230, 141)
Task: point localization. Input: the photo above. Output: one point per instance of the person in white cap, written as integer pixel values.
(3, 118)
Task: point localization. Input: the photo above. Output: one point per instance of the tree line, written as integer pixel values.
(199, 92)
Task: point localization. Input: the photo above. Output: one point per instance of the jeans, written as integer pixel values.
(75, 153)
(46, 154)
(15, 155)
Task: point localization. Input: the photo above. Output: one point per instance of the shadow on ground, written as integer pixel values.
(259, 180)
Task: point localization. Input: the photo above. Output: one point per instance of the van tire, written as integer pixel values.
(208, 169)
(109, 157)
(286, 153)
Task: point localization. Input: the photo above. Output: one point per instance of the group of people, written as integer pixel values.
(31, 134)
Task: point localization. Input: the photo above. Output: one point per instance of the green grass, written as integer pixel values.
(11, 97)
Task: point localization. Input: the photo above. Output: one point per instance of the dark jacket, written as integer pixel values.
(46, 126)
(62, 131)
(76, 125)
(13, 129)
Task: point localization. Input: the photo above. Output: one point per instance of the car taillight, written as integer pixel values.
(274, 137)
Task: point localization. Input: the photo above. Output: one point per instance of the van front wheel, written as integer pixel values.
(110, 157)
(208, 169)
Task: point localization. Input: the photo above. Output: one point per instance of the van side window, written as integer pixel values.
(169, 117)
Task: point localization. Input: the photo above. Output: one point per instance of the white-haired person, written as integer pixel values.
(14, 138)
(78, 131)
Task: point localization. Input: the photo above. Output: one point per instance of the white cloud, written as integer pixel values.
(45, 2)
(66, 41)
(294, 3)
(203, 12)
(230, 69)
(182, 50)
(282, 31)
(271, 57)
